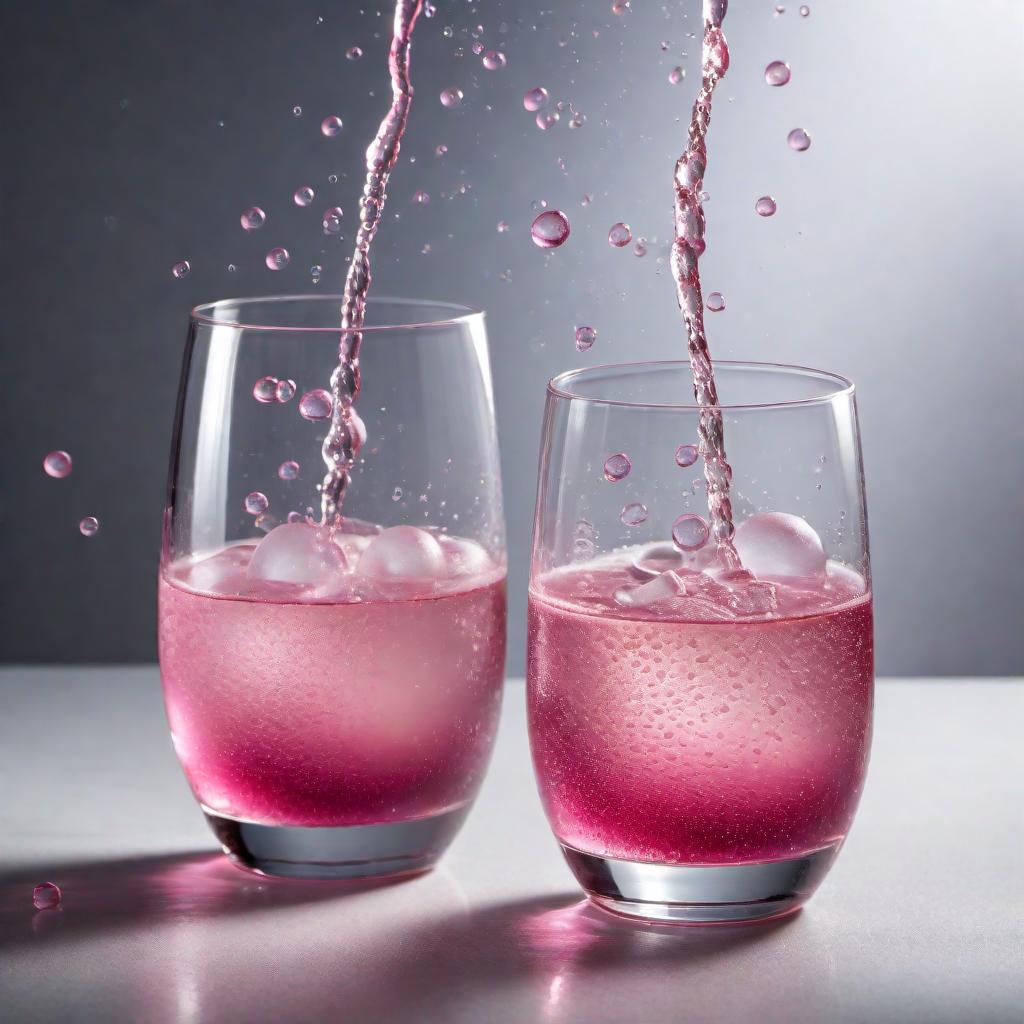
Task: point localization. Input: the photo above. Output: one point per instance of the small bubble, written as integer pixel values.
(181, 268)
(331, 126)
(46, 896)
(577, 120)
(288, 470)
(421, 198)
(780, 9)
(619, 235)
(777, 73)
(585, 338)
(502, 226)
(715, 302)
(429, 10)
(765, 206)
(617, 467)
(633, 514)
(447, 31)
(539, 204)
(804, 10)
(676, 75)
(232, 268)
(451, 97)
(353, 53)
(316, 272)
(304, 195)
(587, 199)
(583, 548)
(440, 150)
(332, 179)
(89, 526)
(253, 218)
(316, 405)
(535, 98)
(57, 464)
(620, 6)
(686, 455)
(545, 119)
(277, 258)
(664, 44)
(256, 503)
(285, 391)
(640, 249)
(478, 48)
(296, 517)
(332, 220)
(396, 494)
(297, 110)
(494, 60)
(265, 390)
(550, 229)
(690, 532)
(798, 140)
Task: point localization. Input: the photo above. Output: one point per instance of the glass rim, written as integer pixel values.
(559, 385)
(207, 313)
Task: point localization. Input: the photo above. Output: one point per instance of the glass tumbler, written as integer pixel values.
(700, 718)
(333, 692)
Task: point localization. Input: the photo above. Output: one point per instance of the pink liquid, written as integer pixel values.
(690, 736)
(287, 711)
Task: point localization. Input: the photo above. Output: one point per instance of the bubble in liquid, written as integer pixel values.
(619, 235)
(231, 268)
(353, 53)
(777, 73)
(640, 249)
(285, 390)
(780, 9)
(421, 198)
(304, 195)
(332, 220)
(181, 268)
(288, 470)
(256, 503)
(253, 218)
(804, 10)
(617, 467)
(396, 494)
(798, 140)
(57, 464)
(535, 98)
(429, 10)
(493, 60)
(440, 150)
(585, 338)
(451, 97)
(686, 455)
(577, 120)
(633, 514)
(502, 226)
(715, 302)
(297, 110)
(550, 229)
(545, 119)
(316, 405)
(315, 272)
(620, 6)
(277, 258)
(89, 526)
(296, 517)
(690, 532)
(676, 75)
(46, 896)
(332, 179)
(265, 390)
(765, 206)
(331, 126)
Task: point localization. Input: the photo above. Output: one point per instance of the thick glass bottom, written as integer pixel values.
(684, 894)
(356, 851)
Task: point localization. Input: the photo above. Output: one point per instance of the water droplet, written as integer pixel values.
(798, 140)
(288, 470)
(804, 10)
(421, 198)
(690, 532)
(89, 526)
(550, 229)
(676, 75)
(46, 896)
(256, 503)
(253, 218)
(396, 494)
(617, 467)
(451, 97)
(353, 53)
(493, 60)
(777, 73)
(619, 235)
(715, 302)
(765, 206)
(297, 110)
(316, 404)
(332, 220)
(502, 226)
(585, 338)
(331, 126)
(304, 195)
(285, 391)
(277, 258)
(265, 390)
(535, 98)
(633, 514)
(57, 464)
(315, 272)
(181, 268)
(440, 150)
(686, 455)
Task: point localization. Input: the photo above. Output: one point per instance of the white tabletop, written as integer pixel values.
(922, 918)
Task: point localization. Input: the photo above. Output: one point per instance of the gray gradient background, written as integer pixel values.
(135, 133)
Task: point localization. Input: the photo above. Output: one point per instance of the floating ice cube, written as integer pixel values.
(661, 588)
(780, 544)
(403, 553)
(297, 553)
(464, 557)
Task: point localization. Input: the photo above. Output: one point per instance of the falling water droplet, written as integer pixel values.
(493, 60)
(57, 464)
(277, 258)
(256, 503)
(181, 268)
(585, 338)
(550, 229)
(288, 470)
(89, 526)
(304, 195)
(633, 514)
(451, 97)
(798, 140)
(777, 73)
(715, 302)
(265, 390)
(331, 126)
(316, 405)
(690, 532)
(676, 75)
(535, 98)
(353, 53)
(619, 235)
(765, 206)
(686, 455)
(285, 391)
(617, 467)
(253, 218)
(332, 220)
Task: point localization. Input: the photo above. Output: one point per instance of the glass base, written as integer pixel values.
(684, 894)
(387, 850)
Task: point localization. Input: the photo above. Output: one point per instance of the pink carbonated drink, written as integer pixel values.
(323, 679)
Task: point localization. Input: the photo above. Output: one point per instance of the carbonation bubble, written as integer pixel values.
(715, 302)
(676, 75)
(396, 494)
(633, 514)
(285, 390)
(804, 10)
(550, 229)
(265, 390)
(619, 235)
(502, 226)
(46, 896)
(451, 97)
(331, 126)
(577, 120)
(640, 249)
(89, 526)
(777, 73)
(253, 218)
(353, 53)
(315, 273)
(332, 179)
(297, 110)
(545, 119)
(620, 6)
(617, 467)
(316, 405)
(686, 455)
(57, 464)
(256, 503)
(690, 532)
(232, 268)
(798, 140)
(493, 60)
(181, 268)
(765, 206)
(304, 195)
(332, 220)
(585, 338)
(421, 198)
(440, 150)
(288, 470)
(277, 258)
(535, 98)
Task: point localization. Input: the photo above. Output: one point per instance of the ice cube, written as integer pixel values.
(780, 544)
(661, 588)
(403, 553)
(299, 553)
(464, 557)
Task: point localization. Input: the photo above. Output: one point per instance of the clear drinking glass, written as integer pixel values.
(333, 695)
(700, 734)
